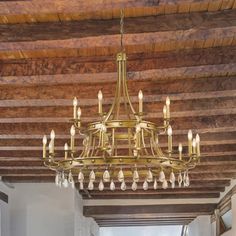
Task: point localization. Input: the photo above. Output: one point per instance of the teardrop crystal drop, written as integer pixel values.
(80, 176)
(112, 186)
(57, 179)
(90, 185)
(135, 176)
(180, 179)
(172, 177)
(149, 176)
(162, 176)
(145, 185)
(165, 184)
(65, 183)
(106, 176)
(134, 186)
(70, 178)
(121, 176)
(101, 186)
(155, 184)
(173, 185)
(187, 180)
(92, 176)
(123, 186)
(81, 185)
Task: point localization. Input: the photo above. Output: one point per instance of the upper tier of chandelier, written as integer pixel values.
(121, 146)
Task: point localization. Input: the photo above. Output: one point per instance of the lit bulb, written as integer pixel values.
(172, 177)
(123, 186)
(140, 95)
(169, 131)
(81, 185)
(165, 184)
(66, 147)
(106, 176)
(149, 176)
(190, 134)
(167, 101)
(194, 143)
(180, 179)
(79, 113)
(134, 186)
(92, 176)
(44, 139)
(100, 96)
(101, 186)
(75, 101)
(162, 176)
(155, 184)
(164, 111)
(180, 147)
(72, 130)
(90, 185)
(121, 176)
(70, 178)
(65, 183)
(145, 185)
(135, 176)
(112, 186)
(197, 138)
(52, 135)
(80, 176)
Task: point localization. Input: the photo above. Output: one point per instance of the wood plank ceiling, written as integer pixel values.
(53, 50)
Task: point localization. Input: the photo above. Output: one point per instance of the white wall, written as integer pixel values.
(141, 231)
(44, 209)
(232, 232)
(201, 226)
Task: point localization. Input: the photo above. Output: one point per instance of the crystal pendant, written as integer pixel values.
(70, 178)
(155, 184)
(145, 185)
(65, 183)
(149, 176)
(172, 177)
(180, 179)
(162, 176)
(134, 186)
(135, 176)
(173, 185)
(92, 176)
(187, 180)
(101, 186)
(57, 179)
(123, 186)
(73, 184)
(81, 185)
(112, 186)
(121, 176)
(184, 179)
(80, 176)
(90, 185)
(165, 184)
(106, 176)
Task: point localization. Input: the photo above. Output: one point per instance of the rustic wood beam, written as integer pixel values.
(45, 10)
(88, 28)
(189, 59)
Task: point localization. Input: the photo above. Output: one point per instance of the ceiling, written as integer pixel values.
(53, 50)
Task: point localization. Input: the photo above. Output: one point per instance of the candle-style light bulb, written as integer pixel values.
(190, 137)
(140, 99)
(72, 139)
(52, 136)
(194, 146)
(180, 151)
(79, 113)
(100, 97)
(168, 108)
(198, 144)
(66, 150)
(169, 133)
(44, 145)
(75, 103)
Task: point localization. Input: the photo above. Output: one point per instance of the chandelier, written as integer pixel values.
(121, 147)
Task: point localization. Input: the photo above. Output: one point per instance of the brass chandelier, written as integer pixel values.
(121, 146)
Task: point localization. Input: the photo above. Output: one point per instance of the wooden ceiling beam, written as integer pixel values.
(175, 60)
(45, 10)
